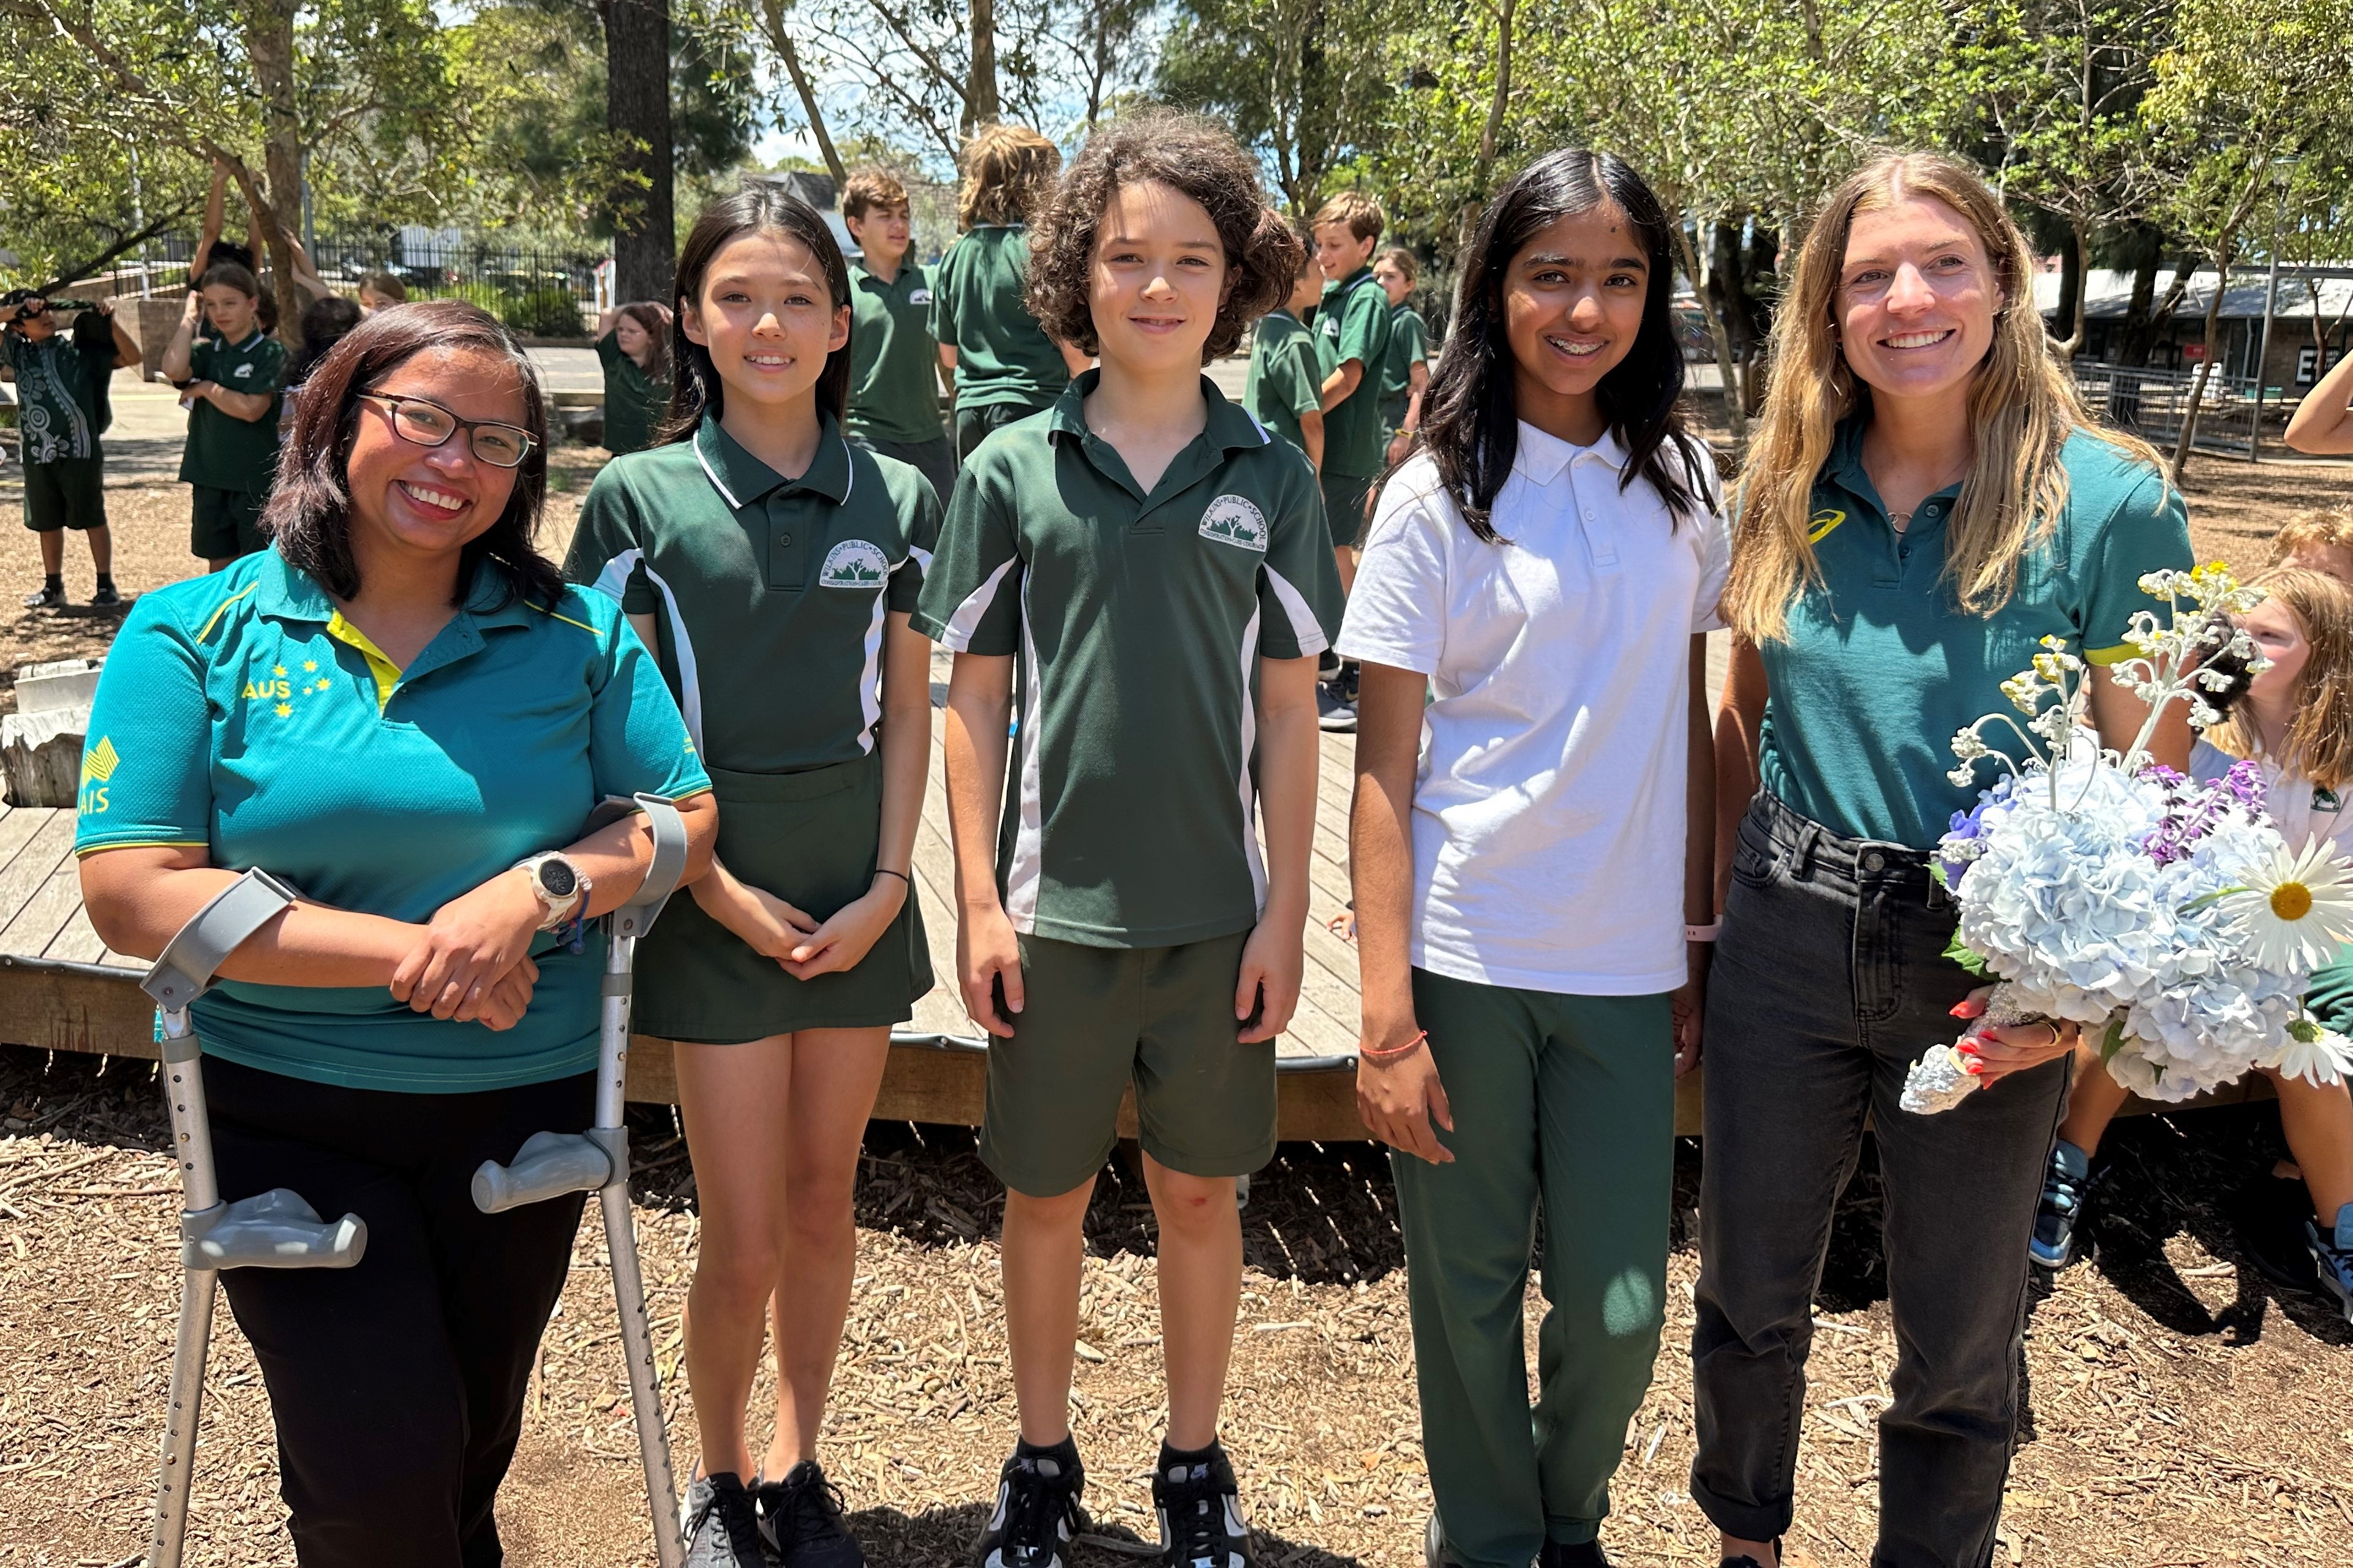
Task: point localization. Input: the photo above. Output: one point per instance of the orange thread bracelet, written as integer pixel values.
(1388, 1054)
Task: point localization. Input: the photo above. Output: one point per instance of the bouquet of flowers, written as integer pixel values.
(2169, 919)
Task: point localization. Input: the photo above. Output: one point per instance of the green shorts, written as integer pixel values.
(1095, 1019)
(974, 425)
(228, 523)
(1344, 496)
(811, 839)
(67, 493)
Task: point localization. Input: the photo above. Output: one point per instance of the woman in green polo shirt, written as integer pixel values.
(403, 711)
(1924, 500)
(773, 564)
(633, 345)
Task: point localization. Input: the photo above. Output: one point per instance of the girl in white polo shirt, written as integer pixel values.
(1528, 848)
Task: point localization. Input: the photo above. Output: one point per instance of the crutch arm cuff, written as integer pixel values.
(199, 948)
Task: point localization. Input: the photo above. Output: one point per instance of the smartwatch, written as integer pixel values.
(558, 885)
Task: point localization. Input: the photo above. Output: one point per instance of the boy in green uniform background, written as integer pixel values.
(1005, 365)
(61, 385)
(1147, 538)
(1405, 369)
(1353, 320)
(1287, 369)
(894, 360)
(231, 384)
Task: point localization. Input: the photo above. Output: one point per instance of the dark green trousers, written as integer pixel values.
(1567, 1101)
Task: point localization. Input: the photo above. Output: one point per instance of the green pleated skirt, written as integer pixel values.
(811, 839)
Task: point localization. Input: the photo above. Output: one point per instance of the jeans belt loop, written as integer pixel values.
(1808, 836)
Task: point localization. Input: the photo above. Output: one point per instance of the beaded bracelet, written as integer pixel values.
(1382, 1057)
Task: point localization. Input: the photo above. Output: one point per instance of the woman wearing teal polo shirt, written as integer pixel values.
(402, 710)
(1925, 499)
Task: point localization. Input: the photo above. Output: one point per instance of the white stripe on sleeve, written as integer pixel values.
(957, 637)
(1303, 624)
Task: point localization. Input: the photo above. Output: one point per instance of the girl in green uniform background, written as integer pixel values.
(633, 345)
(1405, 369)
(772, 565)
(1005, 367)
(230, 383)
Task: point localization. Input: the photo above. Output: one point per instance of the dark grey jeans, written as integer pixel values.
(1829, 980)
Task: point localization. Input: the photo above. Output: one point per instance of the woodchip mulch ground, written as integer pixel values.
(2179, 1410)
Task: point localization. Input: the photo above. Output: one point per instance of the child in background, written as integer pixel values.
(230, 383)
(62, 410)
(2296, 721)
(325, 320)
(2318, 541)
(1146, 538)
(1287, 368)
(633, 345)
(1405, 371)
(381, 290)
(894, 362)
(1353, 320)
(1006, 368)
(772, 565)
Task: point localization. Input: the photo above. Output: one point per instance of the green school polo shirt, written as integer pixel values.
(894, 362)
(241, 713)
(1139, 619)
(60, 391)
(634, 400)
(1354, 320)
(769, 594)
(1286, 375)
(1003, 356)
(223, 451)
(1409, 346)
(1881, 667)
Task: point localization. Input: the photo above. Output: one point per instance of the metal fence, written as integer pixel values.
(2152, 403)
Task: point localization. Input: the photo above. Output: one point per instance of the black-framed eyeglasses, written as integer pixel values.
(427, 424)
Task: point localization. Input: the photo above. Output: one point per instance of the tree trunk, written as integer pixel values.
(2072, 278)
(980, 106)
(637, 108)
(1491, 135)
(269, 47)
(1735, 415)
(2223, 258)
(780, 38)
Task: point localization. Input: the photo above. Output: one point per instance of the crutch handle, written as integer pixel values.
(199, 948)
(273, 1230)
(548, 1165)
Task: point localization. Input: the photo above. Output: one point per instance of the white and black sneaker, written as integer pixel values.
(721, 1525)
(1037, 1509)
(801, 1517)
(1201, 1523)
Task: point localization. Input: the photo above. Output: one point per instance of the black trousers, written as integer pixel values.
(397, 1385)
(1829, 980)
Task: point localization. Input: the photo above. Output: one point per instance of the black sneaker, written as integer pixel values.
(2052, 1243)
(722, 1526)
(48, 597)
(1584, 1554)
(1201, 1523)
(2332, 1257)
(1037, 1510)
(801, 1518)
(106, 597)
(1334, 711)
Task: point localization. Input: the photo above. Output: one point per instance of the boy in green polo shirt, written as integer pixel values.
(1287, 369)
(61, 387)
(1353, 322)
(231, 381)
(1154, 563)
(894, 360)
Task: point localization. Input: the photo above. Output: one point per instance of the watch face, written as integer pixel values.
(556, 876)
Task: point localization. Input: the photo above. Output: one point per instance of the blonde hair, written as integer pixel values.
(1360, 212)
(1009, 172)
(2320, 744)
(2022, 406)
(2329, 528)
(870, 188)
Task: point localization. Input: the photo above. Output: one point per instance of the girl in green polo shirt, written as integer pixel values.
(1405, 368)
(230, 382)
(1926, 498)
(633, 345)
(773, 563)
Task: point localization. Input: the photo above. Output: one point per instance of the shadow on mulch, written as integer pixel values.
(944, 1536)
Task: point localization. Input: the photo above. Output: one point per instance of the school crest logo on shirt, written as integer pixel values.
(1232, 519)
(242, 371)
(920, 296)
(854, 563)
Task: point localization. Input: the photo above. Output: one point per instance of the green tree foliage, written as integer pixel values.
(1303, 81)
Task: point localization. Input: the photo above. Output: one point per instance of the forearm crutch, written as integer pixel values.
(274, 1230)
(550, 1164)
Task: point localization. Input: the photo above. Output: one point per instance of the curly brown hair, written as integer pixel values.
(1007, 171)
(1198, 158)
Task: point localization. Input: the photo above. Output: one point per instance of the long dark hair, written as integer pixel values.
(1473, 426)
(310, 512)
(756, 208)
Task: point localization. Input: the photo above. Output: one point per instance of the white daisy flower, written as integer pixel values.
(2319, 1056)
(2296, 909)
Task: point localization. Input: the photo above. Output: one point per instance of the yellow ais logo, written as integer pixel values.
(98, 764)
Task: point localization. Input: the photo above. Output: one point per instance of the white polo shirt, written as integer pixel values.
(1548, 821)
